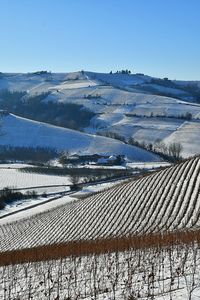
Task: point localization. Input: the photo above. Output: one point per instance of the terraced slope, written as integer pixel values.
(165, 200)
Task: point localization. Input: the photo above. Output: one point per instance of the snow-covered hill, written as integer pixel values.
(35, 83)
(165, 201)
(129, 105)
(17, 131)
(38, 82)
(147, 118)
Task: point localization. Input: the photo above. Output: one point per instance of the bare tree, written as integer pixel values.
(160, 147)
(64, 156)
(175, 150)
(75, 179)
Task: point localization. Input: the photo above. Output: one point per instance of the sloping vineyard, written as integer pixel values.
(163, 201)
(162, 274)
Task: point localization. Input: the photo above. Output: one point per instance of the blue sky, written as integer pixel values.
(155, 37)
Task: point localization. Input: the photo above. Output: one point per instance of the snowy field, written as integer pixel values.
(15, 178)
(112, 100)
(170, 273)
(148, 166)
(189, 136)
(141, 129)
(75, 85)
(25, 209)
(12, 177)
(94, 188)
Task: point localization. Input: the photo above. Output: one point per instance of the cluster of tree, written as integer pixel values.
(90, 96)
(73, 78)
(139, 74)
(10, 99)
(194, 90)
(113, 135)
(9, 195)
(27, 154)
(184, 116)
(83, 174)
(64, 158)
(77, 181)
(171, 151)
(121, 72)
(41, 72)
(68, 115)
(165, 82)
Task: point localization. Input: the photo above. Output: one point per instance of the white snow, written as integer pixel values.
(17, 131)
(118, 97)
(189, 136)
(15, 178)
(148, 165)
(29, 212)
(12, 177)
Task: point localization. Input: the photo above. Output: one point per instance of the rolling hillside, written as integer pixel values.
(167, 200)
(144, 116)
(21, 132)
(38, 82)
(129, 105)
